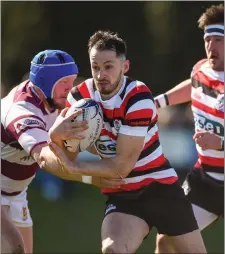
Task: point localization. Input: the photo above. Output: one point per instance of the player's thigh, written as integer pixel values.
(173, 214)
(11, 239)
(189, 243)
(122, 233)
(27, 234)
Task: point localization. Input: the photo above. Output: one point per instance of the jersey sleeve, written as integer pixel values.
(140, 112)
(197, 66)
(25, 123)
(73, 96)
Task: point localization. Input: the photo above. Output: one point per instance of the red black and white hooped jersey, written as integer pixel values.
(24, 125)
(130, 112)
(208, 110)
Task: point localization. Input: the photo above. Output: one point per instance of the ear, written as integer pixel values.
(126, 66)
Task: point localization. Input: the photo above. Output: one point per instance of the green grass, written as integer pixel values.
(73, 225)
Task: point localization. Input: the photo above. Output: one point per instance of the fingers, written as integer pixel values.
(201, 141)
(83, 125)
(199, 134)
(63, 112)
(73, 115)
(75, 133)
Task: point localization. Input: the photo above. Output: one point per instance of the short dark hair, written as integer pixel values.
(107, 40)
(213, 15)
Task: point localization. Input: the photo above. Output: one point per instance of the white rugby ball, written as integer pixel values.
(91, 111)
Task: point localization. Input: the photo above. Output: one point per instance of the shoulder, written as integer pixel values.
(83, 90)
(21, 104)
(197, 66)
(138, 89)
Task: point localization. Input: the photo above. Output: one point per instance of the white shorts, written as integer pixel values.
(19, 210)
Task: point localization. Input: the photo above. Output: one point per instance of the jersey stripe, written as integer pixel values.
(211, 111)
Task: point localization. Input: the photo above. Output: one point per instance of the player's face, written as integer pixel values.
(61, 90)
(214, 46)
(107, 71)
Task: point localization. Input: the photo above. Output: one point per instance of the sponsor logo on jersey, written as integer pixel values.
(106, 147)
(139, 122)
(206, 124)
(28, 122)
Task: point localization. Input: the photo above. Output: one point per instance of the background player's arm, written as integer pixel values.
(127, 153)
(181, 93)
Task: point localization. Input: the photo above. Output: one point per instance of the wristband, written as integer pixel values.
(162, 100)
(87, 179)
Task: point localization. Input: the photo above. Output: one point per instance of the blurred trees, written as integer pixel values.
(24, 31)
(163, 39)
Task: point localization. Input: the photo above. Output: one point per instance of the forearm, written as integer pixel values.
(108, 168)
(177, 95)
(47, 161)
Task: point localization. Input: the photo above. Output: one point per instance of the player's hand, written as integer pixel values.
(107, 183)
(64, 128)
(207, 140)
(67, 165)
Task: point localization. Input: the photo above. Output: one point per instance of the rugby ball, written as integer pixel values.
(91, 111)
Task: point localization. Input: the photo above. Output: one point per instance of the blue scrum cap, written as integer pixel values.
(48, 66)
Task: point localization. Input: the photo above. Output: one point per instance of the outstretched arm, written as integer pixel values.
(181, 93)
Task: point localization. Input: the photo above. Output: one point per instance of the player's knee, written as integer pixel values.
(113, 249)
(18, 249)
(162, 241)
(14, 248)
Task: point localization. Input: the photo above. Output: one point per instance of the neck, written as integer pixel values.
(41, 95)
(106, 97)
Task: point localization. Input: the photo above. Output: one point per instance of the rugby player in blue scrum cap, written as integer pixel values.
(28, 112)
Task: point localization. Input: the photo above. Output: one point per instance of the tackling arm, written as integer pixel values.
(49, 162)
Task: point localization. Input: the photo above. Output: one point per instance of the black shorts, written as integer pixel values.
(205, 191)
(163, 206)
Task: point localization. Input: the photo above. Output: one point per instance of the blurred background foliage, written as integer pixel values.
(164, 43)
(163, 38)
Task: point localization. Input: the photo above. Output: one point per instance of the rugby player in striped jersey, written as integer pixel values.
(129, 146)
(204, 184)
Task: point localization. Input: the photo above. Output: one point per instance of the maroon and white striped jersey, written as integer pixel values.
(208, 109)
(24, 125)
(130, 112)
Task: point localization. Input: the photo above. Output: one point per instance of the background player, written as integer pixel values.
(204, 185)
